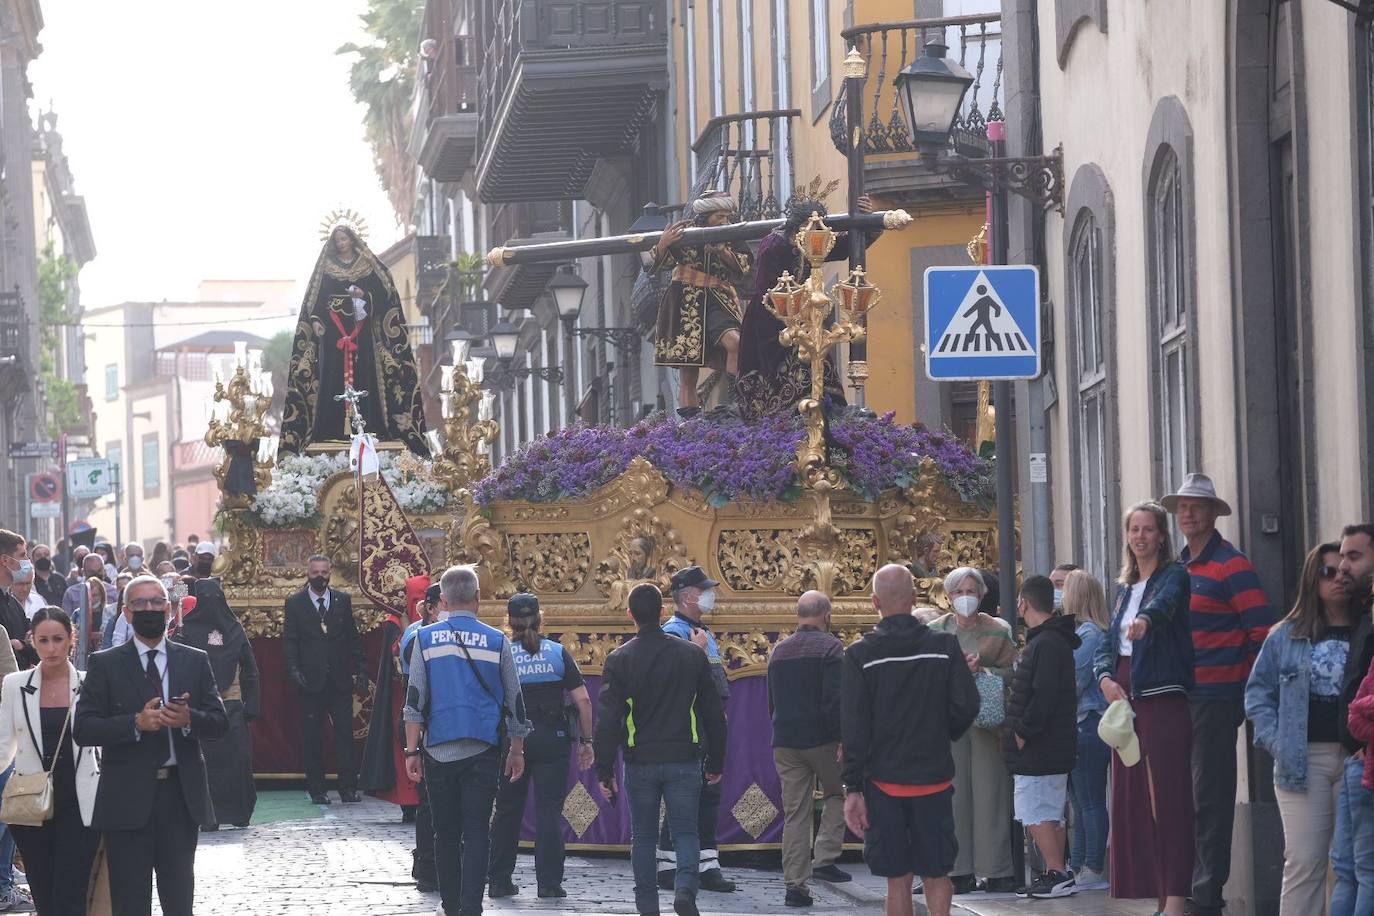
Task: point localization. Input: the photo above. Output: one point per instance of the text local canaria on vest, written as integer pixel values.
(459, 704)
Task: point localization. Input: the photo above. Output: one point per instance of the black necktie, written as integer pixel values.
(155, 681)
(323, 610)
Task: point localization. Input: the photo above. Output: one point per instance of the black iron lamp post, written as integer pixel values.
(932, 89)
(568, 291)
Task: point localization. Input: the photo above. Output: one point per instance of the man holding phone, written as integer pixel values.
(148, 704)
(658, 702)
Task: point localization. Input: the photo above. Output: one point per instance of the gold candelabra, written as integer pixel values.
(468, 427)
(805, 310)
(237, 424)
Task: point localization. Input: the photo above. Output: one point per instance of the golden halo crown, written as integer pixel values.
(343, 217)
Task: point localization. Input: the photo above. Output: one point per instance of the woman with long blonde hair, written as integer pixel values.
(1146, 659)
(1085, 601)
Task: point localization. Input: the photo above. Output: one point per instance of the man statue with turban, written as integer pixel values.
(699, 317)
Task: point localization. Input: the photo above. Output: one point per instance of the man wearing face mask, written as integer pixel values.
(694, 596)
(133, 557)
(205, 560)
(1058, 576)
(148, 705)
(46, 582)
(324, 658)
(15, 566)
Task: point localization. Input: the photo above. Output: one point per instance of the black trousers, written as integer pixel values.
(547, 752)
(1215, 723)
(337, 704)
(422, 869)
(708, 809)
(165, 845)
(57, 860)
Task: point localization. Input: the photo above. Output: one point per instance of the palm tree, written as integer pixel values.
(383, 80)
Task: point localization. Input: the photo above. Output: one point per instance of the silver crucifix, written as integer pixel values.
(352, 396)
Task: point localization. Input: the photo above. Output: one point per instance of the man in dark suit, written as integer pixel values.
(148, 704)
(324, 658)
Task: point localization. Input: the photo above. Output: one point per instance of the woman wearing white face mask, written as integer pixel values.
(982, 790)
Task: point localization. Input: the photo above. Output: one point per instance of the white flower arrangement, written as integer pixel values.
(292, 500)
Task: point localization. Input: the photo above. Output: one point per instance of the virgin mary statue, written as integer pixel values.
(351, 333)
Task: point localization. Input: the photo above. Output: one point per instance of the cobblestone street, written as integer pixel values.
(355, 859)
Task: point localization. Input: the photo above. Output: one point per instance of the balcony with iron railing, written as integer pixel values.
(562, 84)
(444, 135)
(892, 165)
(14, 342)
(750, 155)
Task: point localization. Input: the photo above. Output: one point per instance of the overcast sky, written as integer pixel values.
(209, 139)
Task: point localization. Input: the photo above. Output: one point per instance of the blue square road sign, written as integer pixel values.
(982, 323)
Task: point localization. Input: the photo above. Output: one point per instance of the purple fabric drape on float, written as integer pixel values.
(750, 784)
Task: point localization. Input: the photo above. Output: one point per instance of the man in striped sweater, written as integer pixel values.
(1230, 618)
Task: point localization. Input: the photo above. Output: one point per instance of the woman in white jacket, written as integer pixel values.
(35, 733)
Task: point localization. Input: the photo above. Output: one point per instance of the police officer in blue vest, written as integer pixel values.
(693, 597)
(548, 676)
(463, 688)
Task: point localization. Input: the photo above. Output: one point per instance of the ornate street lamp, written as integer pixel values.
(931, 89)
(504, 337)
(568, 290)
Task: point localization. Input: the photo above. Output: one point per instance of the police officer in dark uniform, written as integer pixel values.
(693, 597)
(548, 675)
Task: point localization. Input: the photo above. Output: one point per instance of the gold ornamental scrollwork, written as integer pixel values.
(647, 548)
(544, 562)
(464, 460)
(340, 536)
(237, 428)
(484, 546)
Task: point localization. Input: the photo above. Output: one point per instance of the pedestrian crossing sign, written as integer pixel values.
(982, 323)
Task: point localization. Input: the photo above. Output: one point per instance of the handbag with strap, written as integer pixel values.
(28, 798)
(992, 702)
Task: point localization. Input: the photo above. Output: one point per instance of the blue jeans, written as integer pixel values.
(679, 786)
(6, 844)
(1352, 850)
(1088, 792)
(460, 798)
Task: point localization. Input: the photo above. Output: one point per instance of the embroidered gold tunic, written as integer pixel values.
(701, 303)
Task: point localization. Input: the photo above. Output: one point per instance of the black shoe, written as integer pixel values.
(962, 884)
(713, 880)
(243, 826)
(211, 829)
(426, 887)
(1050, 884)
(319, 798)
(408, 814)
(797, 896)
(350, 797)
(687, 413)
(1006, 885)
(502, 887)
(685, 903)
(831, 873)
(552, 890)
(667, 880)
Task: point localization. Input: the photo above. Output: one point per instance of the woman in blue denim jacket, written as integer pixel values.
(1291, 698)
(1085, 600)
(1146, 658)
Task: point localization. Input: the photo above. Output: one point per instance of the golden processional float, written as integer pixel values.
(582, 555)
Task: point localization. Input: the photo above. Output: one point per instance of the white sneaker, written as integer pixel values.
(1089, 880)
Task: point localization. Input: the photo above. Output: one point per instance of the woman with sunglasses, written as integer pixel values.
(1292, 698)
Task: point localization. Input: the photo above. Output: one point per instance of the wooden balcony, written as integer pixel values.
(444, 138)
(562, 84)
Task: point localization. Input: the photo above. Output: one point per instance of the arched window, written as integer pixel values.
(1089, 281)
(1169, 260)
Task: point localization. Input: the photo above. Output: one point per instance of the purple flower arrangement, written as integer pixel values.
(729, 460)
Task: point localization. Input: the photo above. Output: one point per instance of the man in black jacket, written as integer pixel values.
(324, 658)
(1040, 740)
(148, 704)
(907, 693)
(804, 700)
(657, 698)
